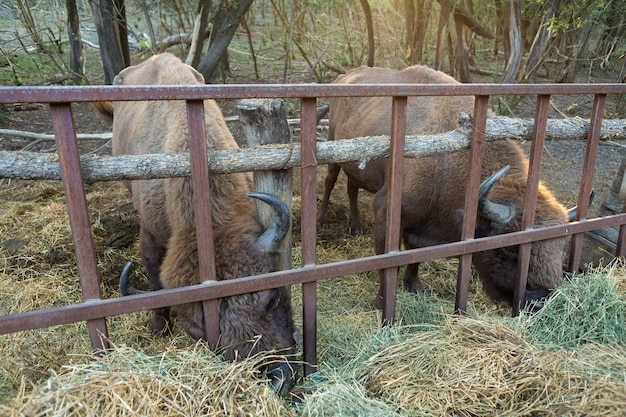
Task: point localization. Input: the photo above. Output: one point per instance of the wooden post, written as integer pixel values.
(264, 121)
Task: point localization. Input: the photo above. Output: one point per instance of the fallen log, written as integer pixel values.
(37, 166)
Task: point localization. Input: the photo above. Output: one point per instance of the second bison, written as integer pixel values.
(434, 187)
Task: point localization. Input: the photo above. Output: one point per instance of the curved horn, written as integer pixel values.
(271, 239)
(571, 213)
(125, 287)
(499, 213)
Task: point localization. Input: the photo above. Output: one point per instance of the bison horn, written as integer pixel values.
(498, 213)
(571, 213)
(271, 239)
(125, 287)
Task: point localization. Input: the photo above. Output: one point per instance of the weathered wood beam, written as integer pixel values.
(37, 166)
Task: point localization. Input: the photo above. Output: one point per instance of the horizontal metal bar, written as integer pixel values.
(64, 94)
(94, 309)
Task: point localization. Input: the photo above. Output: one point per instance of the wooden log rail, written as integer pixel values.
(39, 166)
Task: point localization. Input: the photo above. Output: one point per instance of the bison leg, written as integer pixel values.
(380, 218)
(412, 281)
(329, 184)
(354, 219)
(152, 255)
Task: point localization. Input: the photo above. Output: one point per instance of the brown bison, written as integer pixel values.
(249, 323)
(434, 187)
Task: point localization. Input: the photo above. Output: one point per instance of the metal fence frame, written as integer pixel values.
(94, 309)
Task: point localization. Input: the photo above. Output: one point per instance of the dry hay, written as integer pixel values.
(126, 382)
(567, 360)
(475, 367)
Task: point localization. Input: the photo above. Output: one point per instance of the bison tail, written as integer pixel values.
(104, 110)
(125, 287)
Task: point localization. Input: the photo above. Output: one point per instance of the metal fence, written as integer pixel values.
(94, 309)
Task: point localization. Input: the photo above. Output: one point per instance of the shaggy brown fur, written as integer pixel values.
(168, 236)
(434, 187)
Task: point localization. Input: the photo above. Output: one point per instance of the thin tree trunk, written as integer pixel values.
(515, 39)
(442, 32)
(410, 30)
(462, 63)
(121, 29)
(199, 33)
(244, 24)
(416, 26)
(151, 32)
(114, 57)
(469, 37)
(225, 23)
(76, 48)
(502, 30)
(540, 44)
(422, 19)
(370, 32)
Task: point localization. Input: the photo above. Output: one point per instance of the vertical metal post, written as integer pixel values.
(591, 152)
(532, 187)
(71, 173)
(471, 199)
(308, 226)
(202, 214)
(394, 204)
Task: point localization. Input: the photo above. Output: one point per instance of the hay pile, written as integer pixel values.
(192, 382)
(475, 367)
(569, 359)
(492, 365)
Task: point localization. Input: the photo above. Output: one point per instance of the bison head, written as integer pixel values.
(497, 268)
(249, 323)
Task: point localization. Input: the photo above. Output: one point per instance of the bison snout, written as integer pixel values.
(535, 300)
(283, 377)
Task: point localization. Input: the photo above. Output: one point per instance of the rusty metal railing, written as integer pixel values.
(94, 309)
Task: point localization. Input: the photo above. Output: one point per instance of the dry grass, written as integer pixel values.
(570, 359)
(471, 367)
(127, 382)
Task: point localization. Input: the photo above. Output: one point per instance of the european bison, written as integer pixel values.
(434, 187)
(249, 323)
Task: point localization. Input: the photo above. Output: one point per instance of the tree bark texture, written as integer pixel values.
(515, 40)
(540, 44)
(199, 33)
(73, 33)
(225, 23)
(264, 122)
(112, 37)
(416, 23)
(369, 23)
(462, 63)
(38, 166)
(442, 32)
